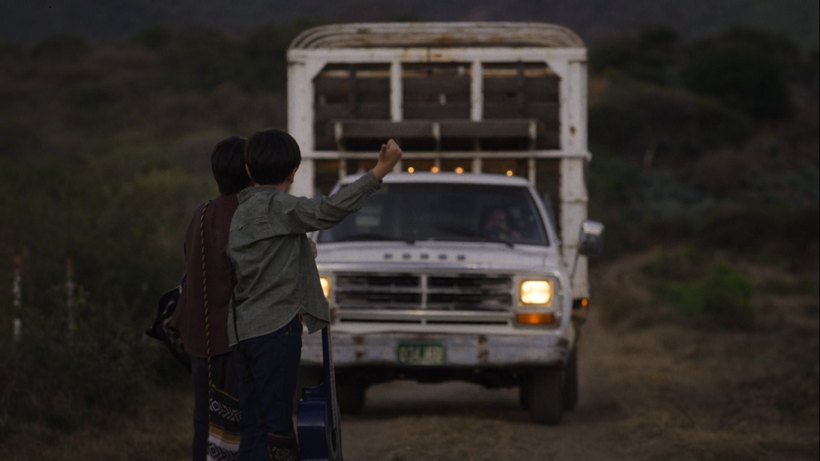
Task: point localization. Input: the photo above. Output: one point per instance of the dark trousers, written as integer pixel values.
(225, 377)
(267, 368)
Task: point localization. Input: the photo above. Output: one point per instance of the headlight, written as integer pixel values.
(325, 282)
(535, 292)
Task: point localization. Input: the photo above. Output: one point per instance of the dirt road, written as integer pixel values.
(658, 392)
(460, 421)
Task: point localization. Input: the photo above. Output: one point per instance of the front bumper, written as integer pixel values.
(472, 350)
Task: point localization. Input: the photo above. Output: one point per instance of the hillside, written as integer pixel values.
(96, 20)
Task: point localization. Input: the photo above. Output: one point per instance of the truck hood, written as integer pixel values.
(443, 255)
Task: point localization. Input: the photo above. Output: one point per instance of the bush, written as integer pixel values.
(650, 56)
(745, 69)
(652, 124)
(121, 215)
(64, 379)
(267, 49)
(88, 96)
(722, 298)
(612, 181)
(727, 298)
(679, 265)
(93, 169)
(781, 234)
(154, 38)
(202, 59)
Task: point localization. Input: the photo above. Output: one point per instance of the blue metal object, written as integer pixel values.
(318, 426)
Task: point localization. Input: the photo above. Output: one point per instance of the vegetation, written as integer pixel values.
(104, 155)
(692, 145)
(711, 146)
(711, 294)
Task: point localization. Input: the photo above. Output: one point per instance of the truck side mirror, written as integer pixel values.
(591, 240)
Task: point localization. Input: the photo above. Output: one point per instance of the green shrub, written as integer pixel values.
(88, 96)
(780, 234)
(155, 38)
(202, 59)
(727, 298)
(686, 264)
(612, 181)
(266, 48)
(685, 298)
(648, 56)
(721, 298)
(120, 214)
(653, 124)
(65, 379)
(745, 69)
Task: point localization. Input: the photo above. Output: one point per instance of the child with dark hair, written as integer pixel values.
(277, 284)
(228, 167)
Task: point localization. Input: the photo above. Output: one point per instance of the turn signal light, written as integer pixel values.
(535, 318)
(580, 303)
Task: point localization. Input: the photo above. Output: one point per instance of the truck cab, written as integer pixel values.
(469, 263)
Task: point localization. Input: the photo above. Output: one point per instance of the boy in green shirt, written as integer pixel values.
(277, 284)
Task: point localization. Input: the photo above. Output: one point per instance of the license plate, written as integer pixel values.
(413, 353)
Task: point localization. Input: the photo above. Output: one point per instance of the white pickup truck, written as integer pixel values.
(456, 268)
(448, 276)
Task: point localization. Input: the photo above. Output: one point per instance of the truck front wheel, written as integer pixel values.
(544, 396)
(524, 394)
(570, 390)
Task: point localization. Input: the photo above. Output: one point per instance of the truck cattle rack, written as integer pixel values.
(469, 97)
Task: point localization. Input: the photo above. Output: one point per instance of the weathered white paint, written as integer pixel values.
(396, 96)
(404, 35)
(573, 197)
(300, 119)
(476, 89)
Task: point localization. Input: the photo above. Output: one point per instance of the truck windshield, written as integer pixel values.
(444, 212)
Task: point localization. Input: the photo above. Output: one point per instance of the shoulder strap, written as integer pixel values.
(205, 290)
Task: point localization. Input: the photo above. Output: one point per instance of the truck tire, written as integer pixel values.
(545, 400)
(351, 396)
(569, 392)
(524, 394)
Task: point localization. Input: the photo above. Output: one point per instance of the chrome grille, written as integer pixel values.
(469, 292)
(378, 291)
(424, 298)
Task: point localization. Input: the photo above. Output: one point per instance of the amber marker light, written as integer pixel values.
(509, 172)
(435, 169)
(411, 170)
(535, 318)
(581, 303)
(459, 170)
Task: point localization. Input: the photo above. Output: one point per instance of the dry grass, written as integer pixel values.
(160, 432)
(708, 393)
